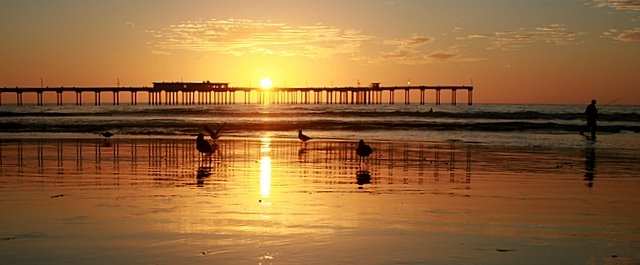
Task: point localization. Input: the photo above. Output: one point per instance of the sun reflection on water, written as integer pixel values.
(265, 167)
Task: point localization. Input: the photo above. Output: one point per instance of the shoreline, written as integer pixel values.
(476, 201)
(626, 142)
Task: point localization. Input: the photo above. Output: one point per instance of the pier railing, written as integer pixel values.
(248, 95)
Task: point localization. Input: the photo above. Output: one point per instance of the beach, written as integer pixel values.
(273, 200)
(377, 132)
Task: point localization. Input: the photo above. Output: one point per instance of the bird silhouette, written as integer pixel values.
(203, 146)
(214, 134)
(106, 134)
(363, 150)
(304, 138)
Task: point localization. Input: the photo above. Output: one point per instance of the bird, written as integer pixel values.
(304, 138)
(214, 134)
(363, 150)
(106, 134)
(203, 146)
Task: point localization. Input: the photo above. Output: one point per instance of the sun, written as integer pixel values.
(266, 83)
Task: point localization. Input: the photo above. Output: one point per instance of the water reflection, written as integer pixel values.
(589, 165)
(314, 210)
(170, 162)
(363, 177)
(265, 167)
(202, 174)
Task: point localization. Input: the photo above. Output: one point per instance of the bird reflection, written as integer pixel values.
(589, 165)
(302, 151)
(202, 174)
(363, 177)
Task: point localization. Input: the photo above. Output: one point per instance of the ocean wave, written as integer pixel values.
(233, 112)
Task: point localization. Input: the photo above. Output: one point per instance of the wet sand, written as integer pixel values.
(268, 201)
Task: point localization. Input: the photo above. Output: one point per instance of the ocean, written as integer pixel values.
(510, 124)
(482, 184)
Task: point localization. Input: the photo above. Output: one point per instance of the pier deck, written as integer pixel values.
(221, 93)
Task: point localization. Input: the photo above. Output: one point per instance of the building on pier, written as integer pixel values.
(189, 86)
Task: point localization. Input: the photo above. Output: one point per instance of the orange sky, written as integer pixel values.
(514, 51)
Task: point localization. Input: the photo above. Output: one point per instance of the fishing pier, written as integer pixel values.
(207, 93)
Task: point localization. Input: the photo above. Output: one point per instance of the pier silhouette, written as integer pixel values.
(205, 93)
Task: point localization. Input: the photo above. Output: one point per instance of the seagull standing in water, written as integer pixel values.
(203, 146)
(363, 150)
(304, 138)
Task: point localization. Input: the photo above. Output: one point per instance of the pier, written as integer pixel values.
(206, 93)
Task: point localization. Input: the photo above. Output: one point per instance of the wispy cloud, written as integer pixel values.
(415, 51)
(443, 55)
(553, 34)
(622, 5)
(407, 51)
(628, 35)
(410, 43)
(242, 36)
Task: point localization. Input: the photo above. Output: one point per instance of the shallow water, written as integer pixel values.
(242, 119)
(274, 201)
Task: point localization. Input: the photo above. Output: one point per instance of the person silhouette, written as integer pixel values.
(592, 116)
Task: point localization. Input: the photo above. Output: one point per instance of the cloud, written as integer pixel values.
(553, 34)
(621, 5)
(406, 51)
(628, 35)
(410, 43)
(414, 51)
(473, 36)
(442, 55)
(243, 36)
(157, 52)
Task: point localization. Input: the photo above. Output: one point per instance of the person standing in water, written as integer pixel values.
(592, 116)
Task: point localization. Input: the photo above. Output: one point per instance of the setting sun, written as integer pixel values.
(266, 83)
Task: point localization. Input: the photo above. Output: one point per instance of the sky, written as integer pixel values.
(512, 51)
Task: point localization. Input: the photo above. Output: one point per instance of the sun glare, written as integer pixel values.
(266, 83)
(265, 167)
